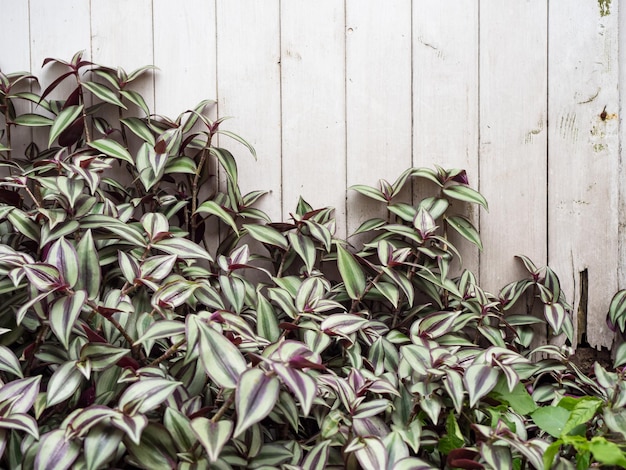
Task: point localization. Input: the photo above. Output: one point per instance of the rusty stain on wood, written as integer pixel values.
(605, 7)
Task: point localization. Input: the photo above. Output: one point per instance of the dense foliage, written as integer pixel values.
(152, 317)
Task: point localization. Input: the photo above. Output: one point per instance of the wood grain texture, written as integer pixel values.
(313, 105)
(249, 91)
(378, 105)
(185, 53)
(445, 98)
(584, 161)
(513, 113)
(121, 36)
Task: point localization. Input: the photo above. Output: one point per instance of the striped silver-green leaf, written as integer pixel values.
(100, 446)
(479, 380)
(102, 355)
(305, 248)
(63, 314)
(24, 224)
(212, 436)
(617, 310)
(220, 358)
(9, 362)
(162, 329)
(140, 129)
(300, 383)
(266, 320)
(255, 397)
(146, 394)
(113, 149)
(466, 194)
(466, 229)
(267, 235)
(43, 277)
(104, 93)
(65, 119)
(369, 451)
(32, 120)
(213, 208)
(64, 257)
(20, 422)
(351, 273)
(20, 393)
(63, 383)
(317, 457)
(183, 248)
(56, 451)
(89, 274)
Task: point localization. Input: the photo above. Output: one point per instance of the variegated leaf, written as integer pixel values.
(212, 436)
(255, 397)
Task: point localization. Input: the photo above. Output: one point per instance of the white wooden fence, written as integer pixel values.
(522, 93)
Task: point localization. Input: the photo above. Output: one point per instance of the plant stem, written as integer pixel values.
(169, 353)
(224, 408)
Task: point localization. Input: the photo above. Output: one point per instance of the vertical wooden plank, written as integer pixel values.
(122, 37)
(622, 123)
(184, 51)
(445, 97)
(313, 105)
(513, 178)
(58, 30)
(378, 105)
(249, 91)
(14, 34)
(15, 31)
(584, 160)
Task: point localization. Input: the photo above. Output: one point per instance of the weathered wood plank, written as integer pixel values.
(445, 97)
(121, 35)
(249, 91)
(185, 53)
(15, 30)
(584, 161)
(378, 105)
(313, 105)
(513, 113)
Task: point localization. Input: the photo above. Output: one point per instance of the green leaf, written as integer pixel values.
(104, 93)
(181, 165)
(584, 410)
(551, 419)
(607, 453)
(56, 451)
(63, 383)
(267, 235)
(113, 149)
(63, 314)
(466, 194)
(267, 323)
(65, 119)
(212, 436)
(213, 208)
(32, 120)
(351, 273)
(227, 161)
(518, 398)
(255, 397)
(239, 139)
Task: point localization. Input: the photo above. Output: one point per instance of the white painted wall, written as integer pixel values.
(338, 92)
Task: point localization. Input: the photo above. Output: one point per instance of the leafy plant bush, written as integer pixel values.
(153, 318)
